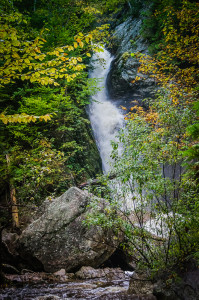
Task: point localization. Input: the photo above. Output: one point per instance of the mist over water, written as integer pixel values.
(106, 119)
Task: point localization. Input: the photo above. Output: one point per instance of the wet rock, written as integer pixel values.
(108, 273)
(48, 297)
(61, 272)
(139, 285)
(164, 292)
(9, 253)
(28, 278)
(59, 240)
(186, 287)
(9, 239)
(24, 271)
(122, 296)
(39, 277)
(127, 40)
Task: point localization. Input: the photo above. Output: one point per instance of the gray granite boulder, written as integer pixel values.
(59, 240)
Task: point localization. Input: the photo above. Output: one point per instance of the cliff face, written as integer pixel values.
(126, 39)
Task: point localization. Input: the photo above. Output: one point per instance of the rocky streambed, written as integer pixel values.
(87, 283)
(90, 283)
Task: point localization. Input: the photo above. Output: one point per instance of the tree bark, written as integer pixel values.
(15, 212)
(13, 200)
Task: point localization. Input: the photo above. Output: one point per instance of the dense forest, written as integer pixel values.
(46, 140)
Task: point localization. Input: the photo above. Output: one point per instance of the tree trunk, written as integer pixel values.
(15, 213)
(14, 208)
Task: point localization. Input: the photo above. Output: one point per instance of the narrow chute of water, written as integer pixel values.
(106, 119)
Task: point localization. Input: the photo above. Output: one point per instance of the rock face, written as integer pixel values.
(126, 40)
(186, 288)
(59, 240)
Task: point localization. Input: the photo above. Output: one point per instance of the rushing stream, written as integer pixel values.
(92, 289)
(106, 119)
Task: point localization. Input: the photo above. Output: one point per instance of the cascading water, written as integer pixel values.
(106, 119)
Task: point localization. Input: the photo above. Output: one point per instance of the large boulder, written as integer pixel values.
(58, 239)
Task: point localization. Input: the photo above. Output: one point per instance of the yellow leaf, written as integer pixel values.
(46, 118)
(15, 55)
(37, 74)
(88, 54)
(70, 48)
(60, 49)
(4, 120)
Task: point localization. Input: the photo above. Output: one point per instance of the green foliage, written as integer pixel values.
(153, 20)
(45, 158)
(191, 154)
(68, 133)
(38, 171)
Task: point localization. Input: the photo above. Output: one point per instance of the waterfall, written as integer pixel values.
(106, 119)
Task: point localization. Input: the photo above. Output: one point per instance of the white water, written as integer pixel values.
(106, 119)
